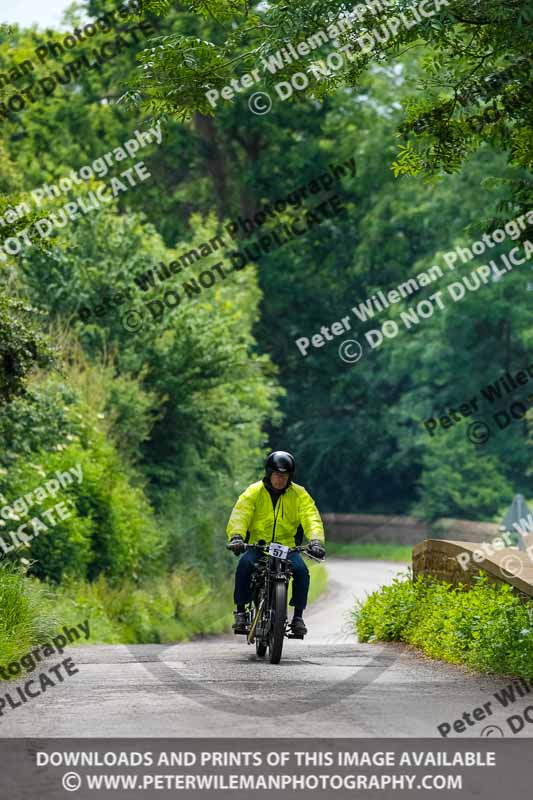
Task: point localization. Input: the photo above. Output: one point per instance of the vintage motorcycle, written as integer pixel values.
(267, 622)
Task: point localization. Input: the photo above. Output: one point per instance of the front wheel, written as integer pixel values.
(277, 629)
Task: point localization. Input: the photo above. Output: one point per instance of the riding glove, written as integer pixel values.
(237, 544)
(316, 548)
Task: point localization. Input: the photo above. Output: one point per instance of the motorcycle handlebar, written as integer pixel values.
(264, 548)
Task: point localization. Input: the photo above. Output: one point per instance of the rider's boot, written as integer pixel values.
(298, 626)
(240, 624)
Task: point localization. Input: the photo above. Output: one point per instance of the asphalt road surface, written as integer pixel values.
(328, 685)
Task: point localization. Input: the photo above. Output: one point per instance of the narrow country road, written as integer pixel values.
(328, 685)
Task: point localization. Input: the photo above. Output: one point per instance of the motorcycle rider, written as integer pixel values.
(276, 510)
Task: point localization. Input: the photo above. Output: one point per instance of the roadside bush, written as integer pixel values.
(91, 418)
(386, 613)
(194, 517)
(22, 347)
(110, 528)
(39, 421)
(168, 608)
(487, 627)
(24, 620)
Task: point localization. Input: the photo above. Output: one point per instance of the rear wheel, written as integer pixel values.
(279, 617)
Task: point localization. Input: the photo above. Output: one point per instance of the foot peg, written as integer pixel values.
(295, 636)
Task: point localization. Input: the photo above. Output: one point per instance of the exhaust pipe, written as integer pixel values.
(251, 633)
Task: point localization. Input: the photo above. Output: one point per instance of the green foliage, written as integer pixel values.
(24, 620)
(110, 528)
(473, 57)
(178, 409)
(155, 6)
(382, 551)
(174, 420)
(460, 479)
(172, 608)
(196, 531)
(232, 164)
(168, 608)
(22, 347)
(385, 613)
(41, 420)
(408, 163)
(131, 412)
(487, 627)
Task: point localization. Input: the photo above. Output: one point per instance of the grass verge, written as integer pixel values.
(319, 581)
(374, 550)
(487, 627)
(23, 617)
(173, 608)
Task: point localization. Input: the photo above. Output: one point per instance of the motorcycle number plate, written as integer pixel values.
(278, 550)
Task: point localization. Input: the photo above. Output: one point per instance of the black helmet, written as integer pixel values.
(280, 461)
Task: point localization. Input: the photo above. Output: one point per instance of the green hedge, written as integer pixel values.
(110, 529)
(487, 627)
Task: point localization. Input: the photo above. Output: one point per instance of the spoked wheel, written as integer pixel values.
(279, 616)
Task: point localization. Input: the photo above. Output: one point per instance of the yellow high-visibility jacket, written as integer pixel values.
(253, 513)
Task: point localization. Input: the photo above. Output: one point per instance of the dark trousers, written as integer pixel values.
(243, 577)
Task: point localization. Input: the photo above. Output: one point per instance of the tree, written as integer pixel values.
(474, 81)
(460, 480)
